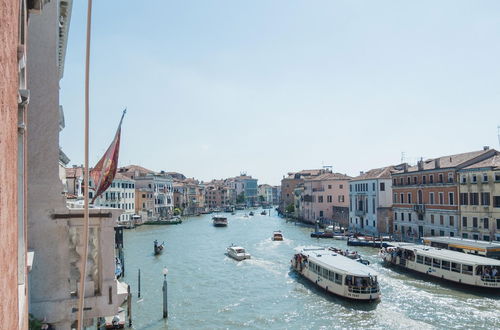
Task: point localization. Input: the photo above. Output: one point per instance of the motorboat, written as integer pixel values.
(263, 213)
(336, 273)
(251, 213)
(237, 253)
(277, 235)
(219, 221)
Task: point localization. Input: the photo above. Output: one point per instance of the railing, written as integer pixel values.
(318, 189)
(363, 290)
(419, 208)
(486, 278)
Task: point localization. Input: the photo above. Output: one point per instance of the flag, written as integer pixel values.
(105, 170)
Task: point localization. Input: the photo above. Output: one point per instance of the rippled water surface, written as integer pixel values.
(208, 290)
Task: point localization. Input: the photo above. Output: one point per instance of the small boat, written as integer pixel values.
(263, 213)
(174, 221)
(117, 321)
(219, 221)
(321, 234)
(367, 241)
(158, 248)
(237, 253)
(232, 213)
(277, 235)
(251, 213)
(336, 273)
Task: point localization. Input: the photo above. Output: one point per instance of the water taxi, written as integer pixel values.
(450, 265)
(237, 253)
(336, 273)
(251, 213)
(277, 235)
(219, 221)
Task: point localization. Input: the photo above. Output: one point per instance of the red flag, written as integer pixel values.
(105, 170)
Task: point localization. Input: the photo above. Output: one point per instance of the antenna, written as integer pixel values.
(403, 157)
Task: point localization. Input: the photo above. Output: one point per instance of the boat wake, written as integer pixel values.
(264, 264)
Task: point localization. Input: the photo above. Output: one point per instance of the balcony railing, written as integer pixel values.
(360, 213)
(419, 208)
(318, 189)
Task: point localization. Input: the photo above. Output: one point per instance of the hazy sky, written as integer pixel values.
(267, 87)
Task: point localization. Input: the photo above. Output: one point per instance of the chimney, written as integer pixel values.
(405, 167)
(361, 172)
(437, 163)
(486, 148)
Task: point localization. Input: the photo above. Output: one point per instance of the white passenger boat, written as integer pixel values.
(237, 253)
(336, 274)
(450, 265)
(219, 221)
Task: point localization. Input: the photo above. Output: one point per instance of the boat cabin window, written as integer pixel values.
(455, 267)
(467, 269)
(240, 250)
(445, 265)
(331, 276)
(428, 261)
(325, 272)
(436, 263)
(338, 278)
(420, 259)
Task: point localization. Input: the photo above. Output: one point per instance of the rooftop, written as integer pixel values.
(463, 241)
(493, 162)
(328, 176)
(376, 173)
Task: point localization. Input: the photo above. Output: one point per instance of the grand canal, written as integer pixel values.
(208, 290)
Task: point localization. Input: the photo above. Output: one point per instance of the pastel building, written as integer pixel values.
(161, 187)
(370, 202)
(325, 198)
(479, 190)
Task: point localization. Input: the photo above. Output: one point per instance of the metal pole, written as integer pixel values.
(139, 284)
(165, 299)
(83, 267)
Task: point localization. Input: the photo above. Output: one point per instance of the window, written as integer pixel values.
(498, 223)
(474, 222)
(450, 178)
(497, 176)
(431, 198)
(373, 186)
(395, 182)
(414, 180)
(432, 219)
(373, 205)
(329, 198)
(320, 199)
(464, 200)
(396, 216)
(395, 198)
(409, 216)
(441, 233)
(465, 235)
(441, 220)
(432, 232)
(485, 198)
(485, 177)
(455, 267)
(401, 181)
(486, 238)
(382, 186)
(402, 216)
(440, 180)
(486, 223)
(341, 186)
(401, 198)
(452, 221)
(427, 261)
(330, 187)
(409, 198)
(441, 198)
(445, 265)
(474, 178)
(451, 198)
(431, 178)
(436, 263)
(338, 278)
(463, 179)
(408, 180)
(464, 222)
(496, 201)
(424, 179)
(420, 259)
(474, 198)
(467, 269)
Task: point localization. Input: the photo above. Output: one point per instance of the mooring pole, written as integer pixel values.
(165, 298)
(139, 284)
(129, 306)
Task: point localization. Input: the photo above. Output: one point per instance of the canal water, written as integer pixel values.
(208, 290)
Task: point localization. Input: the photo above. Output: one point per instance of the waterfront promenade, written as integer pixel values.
(208, 290)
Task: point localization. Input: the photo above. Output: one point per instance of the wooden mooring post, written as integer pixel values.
(129, 307)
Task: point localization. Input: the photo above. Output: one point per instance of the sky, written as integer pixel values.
(214, 88)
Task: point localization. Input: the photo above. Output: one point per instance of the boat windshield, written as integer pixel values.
(488, 273)
(240, 250)
(362, 284)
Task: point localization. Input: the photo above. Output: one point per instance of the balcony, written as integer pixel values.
(318, 189)
(360, 213)
(419, 208)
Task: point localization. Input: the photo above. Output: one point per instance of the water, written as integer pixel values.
(208, 290)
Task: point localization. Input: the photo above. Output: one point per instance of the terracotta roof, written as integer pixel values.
(376, 173)
(450, 161)
(73, 172)
(493, 162)
(329, 176)
(130, 170)
(120, 176)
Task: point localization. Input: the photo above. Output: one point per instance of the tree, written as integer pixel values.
(290, 209)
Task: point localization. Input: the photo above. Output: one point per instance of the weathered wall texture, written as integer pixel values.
(9, 314)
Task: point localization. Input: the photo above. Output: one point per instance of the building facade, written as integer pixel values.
(290, 183)
(265, 193)
(161, 187)
(425, 196)
(325, 198)
(480, 200)
(121, 195)
(216, 194)
(370, 202)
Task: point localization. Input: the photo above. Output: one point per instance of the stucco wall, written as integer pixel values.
(8, 163)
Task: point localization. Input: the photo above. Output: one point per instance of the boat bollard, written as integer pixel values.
(164, 289)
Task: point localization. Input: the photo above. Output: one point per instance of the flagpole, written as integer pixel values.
(83, 266)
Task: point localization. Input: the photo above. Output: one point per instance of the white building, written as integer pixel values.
(161, 185)
(120, 195)
(266, 191)
(370, 196)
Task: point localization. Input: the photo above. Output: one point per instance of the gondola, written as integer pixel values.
(158, 248)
